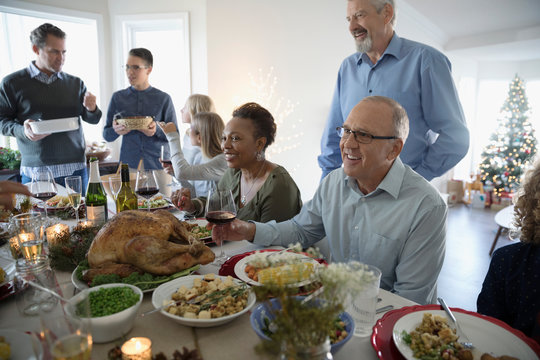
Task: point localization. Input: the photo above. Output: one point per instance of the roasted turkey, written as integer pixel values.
(136, 240)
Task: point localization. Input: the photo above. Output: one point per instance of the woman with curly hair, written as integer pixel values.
(511, 289)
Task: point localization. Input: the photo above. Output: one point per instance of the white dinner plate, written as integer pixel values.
(486, 336)
(81, 285)
(240, 268)
(23, 346)
(9, 267)
(164, 292)
(202, 223)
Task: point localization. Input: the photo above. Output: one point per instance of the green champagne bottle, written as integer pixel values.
(96, 199)
(126, 199)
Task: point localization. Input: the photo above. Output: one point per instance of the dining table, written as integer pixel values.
(233, 340)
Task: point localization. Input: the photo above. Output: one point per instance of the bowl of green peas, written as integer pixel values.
(111, 309)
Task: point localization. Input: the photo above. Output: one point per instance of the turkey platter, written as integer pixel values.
(134, 240)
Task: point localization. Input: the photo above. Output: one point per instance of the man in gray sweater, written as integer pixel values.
(43, 92)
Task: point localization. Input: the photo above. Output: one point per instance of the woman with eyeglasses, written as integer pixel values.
(205, 132)
(262, 190)
(139, 99)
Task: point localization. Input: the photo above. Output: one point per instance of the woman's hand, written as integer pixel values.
(120, 129)
(167, 167)
(182, 200)
(167, 127)
(151, 130)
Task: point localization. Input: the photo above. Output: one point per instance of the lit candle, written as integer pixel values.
(56, 233)
(137, 348)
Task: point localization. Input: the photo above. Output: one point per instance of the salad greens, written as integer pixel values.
(144, 281)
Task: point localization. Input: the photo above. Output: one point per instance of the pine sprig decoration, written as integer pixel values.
(67, 253)
(512, 145)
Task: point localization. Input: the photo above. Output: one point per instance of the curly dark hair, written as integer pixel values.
(527, 206)
(261, 119)
(38, 36)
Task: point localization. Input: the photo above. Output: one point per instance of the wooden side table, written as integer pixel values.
(504, 219)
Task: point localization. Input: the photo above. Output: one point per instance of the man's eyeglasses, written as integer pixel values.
(360, 136)
(134, 67)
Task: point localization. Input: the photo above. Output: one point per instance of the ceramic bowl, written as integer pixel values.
(111, 327)
(262, 312)
(54, 125)
(164, 292)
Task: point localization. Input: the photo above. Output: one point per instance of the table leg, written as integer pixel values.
(495, 240)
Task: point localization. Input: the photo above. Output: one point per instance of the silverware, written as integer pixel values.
(312, 295)
(384, 309)
(464, 340)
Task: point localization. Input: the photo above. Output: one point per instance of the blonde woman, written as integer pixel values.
(205, 132)
(195, 103)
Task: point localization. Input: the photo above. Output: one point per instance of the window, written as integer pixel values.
(82, 58)
(167, 37)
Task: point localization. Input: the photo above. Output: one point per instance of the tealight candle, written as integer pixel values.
(137, 348)
(56, 233)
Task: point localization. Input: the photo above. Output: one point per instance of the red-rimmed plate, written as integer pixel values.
(228, 267)
(382, 336)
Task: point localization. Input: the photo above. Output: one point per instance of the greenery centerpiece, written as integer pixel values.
(9, 158)
(297, 325)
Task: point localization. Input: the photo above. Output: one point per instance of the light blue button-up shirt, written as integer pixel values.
(419, 78)
(399, 228)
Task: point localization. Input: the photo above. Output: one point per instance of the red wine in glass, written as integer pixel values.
(220, 217)
(166, 162)
(44, 196)
(147, 193)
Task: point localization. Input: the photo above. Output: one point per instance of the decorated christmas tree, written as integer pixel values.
(512, 145)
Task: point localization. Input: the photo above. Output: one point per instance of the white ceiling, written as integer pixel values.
(485, 29)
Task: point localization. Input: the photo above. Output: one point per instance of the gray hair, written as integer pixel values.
(38, 36)
(399, 115)
(379, 5)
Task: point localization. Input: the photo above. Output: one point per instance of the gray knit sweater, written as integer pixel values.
(22, 97)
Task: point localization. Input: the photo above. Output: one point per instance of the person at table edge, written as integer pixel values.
(374, 209)
(415, 75)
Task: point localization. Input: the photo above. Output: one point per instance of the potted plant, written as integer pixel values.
(9, 159)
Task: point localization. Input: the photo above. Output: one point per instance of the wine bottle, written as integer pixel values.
(126, 198)
(96, 199)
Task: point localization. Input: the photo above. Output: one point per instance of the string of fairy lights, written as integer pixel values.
(289, 133)
(512, 145)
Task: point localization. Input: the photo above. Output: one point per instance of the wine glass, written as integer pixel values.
(146, 185)
(165, 158)
(43, 187)
(73, 187)
(66, 330)
(115, 183)
(220, 210)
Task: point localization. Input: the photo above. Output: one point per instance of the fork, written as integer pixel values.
(467, 344)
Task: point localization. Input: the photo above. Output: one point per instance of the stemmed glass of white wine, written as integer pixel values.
(74, 187)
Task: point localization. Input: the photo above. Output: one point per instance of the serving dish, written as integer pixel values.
(240, 266)
(383, 332)
(54, 125)
(110, 327)
(135, 122)
(202, 223)
(163, 293)
(262, 313)
(23, 345)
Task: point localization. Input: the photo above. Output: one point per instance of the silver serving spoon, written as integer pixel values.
(467, 344)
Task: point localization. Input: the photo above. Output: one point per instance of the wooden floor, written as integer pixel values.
(470, 233)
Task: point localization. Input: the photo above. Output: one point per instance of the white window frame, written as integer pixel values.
(125, 25)
(62, 14)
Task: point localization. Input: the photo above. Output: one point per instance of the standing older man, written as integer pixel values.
(43, 92)
(415, 75)
(375, 209)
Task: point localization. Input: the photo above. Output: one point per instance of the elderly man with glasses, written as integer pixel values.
(374, 209)
(139, 99)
